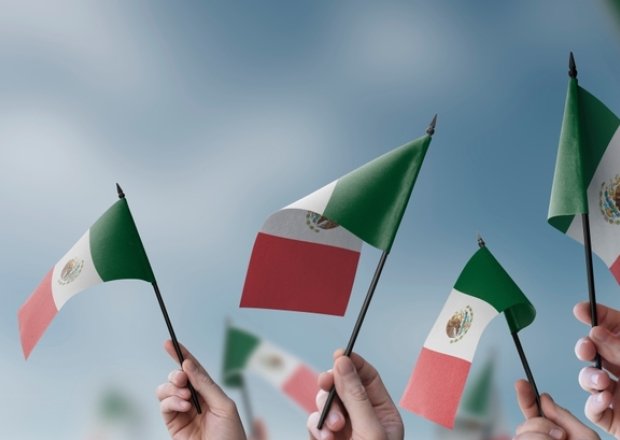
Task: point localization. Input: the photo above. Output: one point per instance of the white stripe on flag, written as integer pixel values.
(272, 364)
(605, 235)
(74, 272)
(317, 201)
(298, 225)
(463, 346)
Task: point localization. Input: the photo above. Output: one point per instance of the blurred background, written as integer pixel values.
(212, 115)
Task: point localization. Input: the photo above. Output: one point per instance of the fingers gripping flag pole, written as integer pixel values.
(482, 291)
(110, 250)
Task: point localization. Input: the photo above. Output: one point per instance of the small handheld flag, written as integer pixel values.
(245, 351)
(482, 291)
(583, 201)
(305, 256)
(110, 250)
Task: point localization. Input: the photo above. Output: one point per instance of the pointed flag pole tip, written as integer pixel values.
(431, 128)
(481, 242)
(572, 67)
(119, 190)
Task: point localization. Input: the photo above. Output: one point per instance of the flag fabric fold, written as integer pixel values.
(305, 256)
(110, 250)
(245, 351)
(587, 175)
(482, 291)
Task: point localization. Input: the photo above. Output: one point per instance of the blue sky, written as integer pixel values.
(213, 115)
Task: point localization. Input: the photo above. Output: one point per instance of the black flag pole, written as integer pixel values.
(524, 362)
(587, 243)
(356, 329)
(362, 314)
(528, 370)
(162, 306)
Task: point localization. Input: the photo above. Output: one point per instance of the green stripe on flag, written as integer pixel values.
(568, 192)
(587, 128)
(116, 247)
(484, 278)
(371, 200)
(239, 347)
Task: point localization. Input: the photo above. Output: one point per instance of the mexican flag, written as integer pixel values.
(587, 175)
(482, 291)
(245, 351)
(305, 256)
(110, 250)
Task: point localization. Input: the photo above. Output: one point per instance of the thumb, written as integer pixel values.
(354, 398)
(212, 394)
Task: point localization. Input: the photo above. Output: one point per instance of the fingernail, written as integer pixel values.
(556, 433)
(333, 418)
(598, 397)
(324, 435)
(595, 378)
(345, 366)
(579, 343)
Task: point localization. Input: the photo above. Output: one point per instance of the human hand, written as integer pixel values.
(557, 424)
(602, 406)
(219, 419)
(364, 410)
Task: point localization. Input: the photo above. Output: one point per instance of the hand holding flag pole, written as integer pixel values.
(366, 304)
(162, 306)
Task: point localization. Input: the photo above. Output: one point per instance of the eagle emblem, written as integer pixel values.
(459, 323)
(71, 271)
(609, 200)
(272, 361)
(317, 222)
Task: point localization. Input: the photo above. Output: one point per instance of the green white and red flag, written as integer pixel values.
(110, 250)
(587, 175)
(245, 351)
(482, 291)
(305, 256)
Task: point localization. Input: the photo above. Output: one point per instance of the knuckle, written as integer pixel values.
(358, 392)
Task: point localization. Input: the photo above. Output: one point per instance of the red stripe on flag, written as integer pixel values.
(302, 387)
(297, 275)
(435, 387)
(615, 269)
(36, 314)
